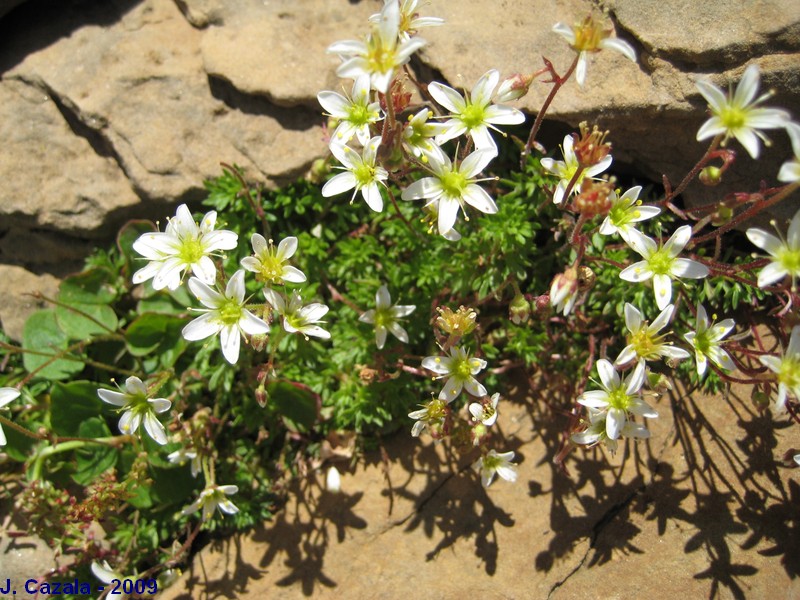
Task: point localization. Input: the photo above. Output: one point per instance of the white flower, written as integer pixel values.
(644, 342)
(588, 37)
(184, 455)
(211, 498)
(182, 246)
(618, 398)
(431, 415)
(790, 170)
(565, 170)
(296, 317)
(474, 114)
(706, 342)
(452, 186)
(139, 408)
(459, 369)
(385, 316)
(787, 368)
(491, 463)
(361, 173)
(596, 431)
(225, 315)
(485, 412)
(513, 88)
(410, 21)
(737, 114)
(662, 263)
(269, 263)
(383, 52)
(626, 209)
(355, 114)
(418, 135)
(7, 394)
(785, 253)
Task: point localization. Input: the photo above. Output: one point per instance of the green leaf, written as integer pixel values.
(81, 320)
(72, 404)
(94, 459)
(156, 333)
(297, 407)
(43, 334)
(172, 485)
(88, 287)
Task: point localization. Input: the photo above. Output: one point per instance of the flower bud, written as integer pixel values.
(564, 290)
(586, 278)
(479, 432)
(513, 87)
(722, 216)
(259, 341)
(519, 310)
(711, 176)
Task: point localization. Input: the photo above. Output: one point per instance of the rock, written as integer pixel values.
(53, 178)
(701, 506)
(140, 92)
(17, 303)
(278, 49)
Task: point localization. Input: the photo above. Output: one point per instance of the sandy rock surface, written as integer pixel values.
(703, 509)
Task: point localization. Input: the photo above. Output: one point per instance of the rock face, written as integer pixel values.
(113, 109)
(702, 509)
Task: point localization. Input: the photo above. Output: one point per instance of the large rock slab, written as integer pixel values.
(704, 507)
(137, 88)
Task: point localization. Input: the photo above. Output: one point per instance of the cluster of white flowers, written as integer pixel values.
(374, 65)
(186, 246)
(735, 115)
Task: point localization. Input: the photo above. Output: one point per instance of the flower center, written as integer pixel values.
(588, 36)
(620, 215)
(660, 262)
(789, 374)
(383, 318)
(358, 114)
(702, 343)
(437, 409)
(473, 116)
(463, 370)
(271, 268)
(645, 344)
(230, 312)
(381, 59)
(453, 184)
(618, 398)
(789, 260)
(733, 118)
(191, 251)
(364, 174)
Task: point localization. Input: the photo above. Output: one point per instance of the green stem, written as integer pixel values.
(66, 446)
